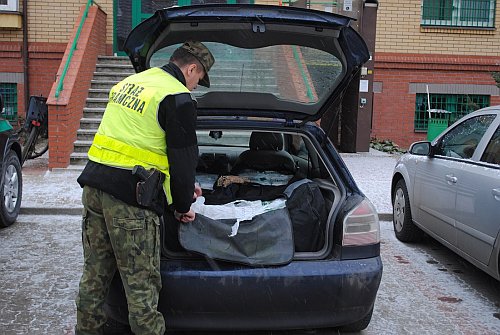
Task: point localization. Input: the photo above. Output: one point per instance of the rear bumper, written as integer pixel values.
(303, 294)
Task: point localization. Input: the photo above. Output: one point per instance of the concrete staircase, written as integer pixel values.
(111, 69)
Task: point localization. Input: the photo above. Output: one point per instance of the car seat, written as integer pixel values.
(492, 152)
(265, 154)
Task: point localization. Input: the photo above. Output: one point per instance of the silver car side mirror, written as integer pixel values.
(423, 148)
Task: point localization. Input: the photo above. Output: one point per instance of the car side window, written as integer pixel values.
(462, 141)
(492, 152)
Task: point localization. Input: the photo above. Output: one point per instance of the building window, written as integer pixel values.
(459, 13)
(457, 105)
(9, 95)
(9, 5)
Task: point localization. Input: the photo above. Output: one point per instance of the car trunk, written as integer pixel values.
(267, 197)
(274, 67)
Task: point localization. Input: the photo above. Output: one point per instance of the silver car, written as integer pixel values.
(450, 189)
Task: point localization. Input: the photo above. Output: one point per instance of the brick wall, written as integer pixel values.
(407, 53)
(394, 106)
(44, 60)
(66, 111)
(399, 31)
(49, 28)
(52, 21)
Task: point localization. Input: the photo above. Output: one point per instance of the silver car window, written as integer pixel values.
(462, 141)
(492, 152)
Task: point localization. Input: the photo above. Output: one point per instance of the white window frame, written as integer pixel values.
(11, 6)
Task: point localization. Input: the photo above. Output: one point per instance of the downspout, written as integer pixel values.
(25, 55)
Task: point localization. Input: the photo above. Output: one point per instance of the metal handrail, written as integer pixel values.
(73, 48)
(303, 74)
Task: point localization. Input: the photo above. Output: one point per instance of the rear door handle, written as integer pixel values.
(451, 179)
(496, 193)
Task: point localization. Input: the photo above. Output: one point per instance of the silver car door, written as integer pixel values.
(434, 198)
(436, 178)
(478, 200)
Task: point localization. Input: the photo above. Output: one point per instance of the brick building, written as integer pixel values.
(46, 37)
(450, 46)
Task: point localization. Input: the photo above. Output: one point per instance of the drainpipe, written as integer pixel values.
(25, 55)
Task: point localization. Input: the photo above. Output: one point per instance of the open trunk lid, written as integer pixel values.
(270, 61)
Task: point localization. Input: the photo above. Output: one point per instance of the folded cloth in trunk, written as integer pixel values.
(243, 232)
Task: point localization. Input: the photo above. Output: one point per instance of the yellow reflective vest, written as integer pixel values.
(129, 133)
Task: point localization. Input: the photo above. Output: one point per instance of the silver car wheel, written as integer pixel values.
(399, 209)
(404, 228)
(10, 188)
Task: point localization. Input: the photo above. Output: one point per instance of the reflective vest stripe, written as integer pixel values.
(147, 157)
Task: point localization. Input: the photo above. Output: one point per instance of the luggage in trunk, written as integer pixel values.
(269, 238)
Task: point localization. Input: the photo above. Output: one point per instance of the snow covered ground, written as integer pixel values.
(422, 291)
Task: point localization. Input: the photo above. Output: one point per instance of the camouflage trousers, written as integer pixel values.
(117, 236)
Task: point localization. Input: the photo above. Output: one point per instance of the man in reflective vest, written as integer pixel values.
(149, 122)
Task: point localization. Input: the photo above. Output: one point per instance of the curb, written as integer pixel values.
(385, 216)
(78, 211)
(51, 211)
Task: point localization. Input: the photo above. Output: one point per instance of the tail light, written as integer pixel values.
(361, 225)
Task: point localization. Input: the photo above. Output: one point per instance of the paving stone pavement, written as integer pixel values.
(45, 191)
(40, 266)
(372, 172)
(41, 259)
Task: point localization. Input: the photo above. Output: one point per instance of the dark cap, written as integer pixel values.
(204, 56)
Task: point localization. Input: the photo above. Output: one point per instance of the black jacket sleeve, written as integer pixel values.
(177, 116)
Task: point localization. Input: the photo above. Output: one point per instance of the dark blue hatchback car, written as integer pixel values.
(283, 238)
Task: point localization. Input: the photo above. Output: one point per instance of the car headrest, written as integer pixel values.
(266, 141)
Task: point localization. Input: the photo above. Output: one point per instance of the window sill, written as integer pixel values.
(11, 20)
(457, 30)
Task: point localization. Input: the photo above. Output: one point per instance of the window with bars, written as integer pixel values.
(457, 105)
(9, 95)
(459, 13)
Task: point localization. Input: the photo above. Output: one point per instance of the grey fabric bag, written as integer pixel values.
(267, 239)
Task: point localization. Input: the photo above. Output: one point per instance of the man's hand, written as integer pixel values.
(189, 216)
(185, 217)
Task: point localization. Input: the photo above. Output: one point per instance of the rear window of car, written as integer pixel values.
(223, 138)
(221, 150)
(289, 72)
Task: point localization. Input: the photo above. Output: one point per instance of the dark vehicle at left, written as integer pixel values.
(11, 179)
